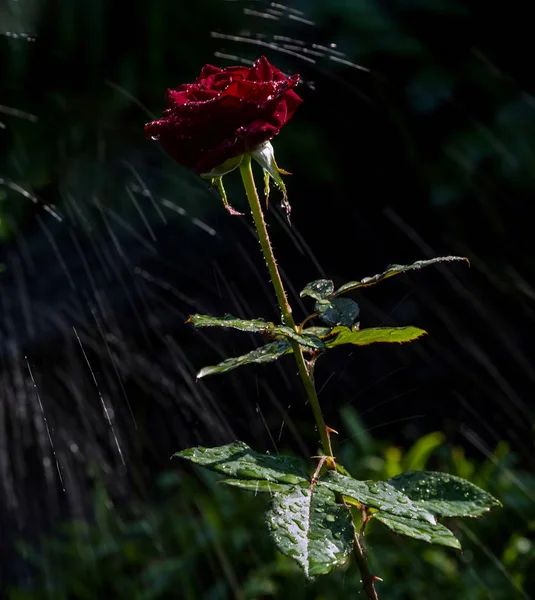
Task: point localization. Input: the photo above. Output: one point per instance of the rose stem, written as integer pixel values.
(359, 550)
(368, 580)
(286, 310)
(305, 373)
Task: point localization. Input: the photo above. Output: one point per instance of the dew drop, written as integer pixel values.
(155, 137)
(300, 525)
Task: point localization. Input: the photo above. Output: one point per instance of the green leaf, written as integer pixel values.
(257, 326)
(254, 325)
(320, 332)
(308, 526)
(257, 485)
(443, 494)
(394, 270)
(305, 339)
(320, 289)
(372, 335)
(338, 311)
(239, 461)
(376, 494)
(264, 354)
(419, 530)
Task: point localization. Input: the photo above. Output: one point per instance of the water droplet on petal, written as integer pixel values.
(155, 137)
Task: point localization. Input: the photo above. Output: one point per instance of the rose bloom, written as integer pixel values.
(224, 113)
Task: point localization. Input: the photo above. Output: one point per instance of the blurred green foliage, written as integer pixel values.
(203, 540)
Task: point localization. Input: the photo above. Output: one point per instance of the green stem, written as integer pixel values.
(304, 371)
(258, 217)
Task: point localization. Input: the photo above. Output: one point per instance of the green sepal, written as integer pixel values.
(265, 157)
(217, 182)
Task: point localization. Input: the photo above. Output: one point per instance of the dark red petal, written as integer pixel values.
(234, 72)
(292, 101)
(218, 82)
(201, 94)
(175, 98)
(225, 113)
(280, 76)
(182, 148)
(261, 70)
(249, 91)
(207, 71)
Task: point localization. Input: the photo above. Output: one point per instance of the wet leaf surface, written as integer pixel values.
(258, 485)
(419, 530)
(376, 494)
(395, 270)
(264, 354)
(443, 494)
(253, 325)
(305, 338)
(311, 528)
(338, 311)
(320, 289)
(257, 326)
(238, 461)
(318, 331)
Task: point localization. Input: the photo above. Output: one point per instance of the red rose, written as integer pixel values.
(225, 113)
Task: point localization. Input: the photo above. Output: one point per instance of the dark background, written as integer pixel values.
(415, 139)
